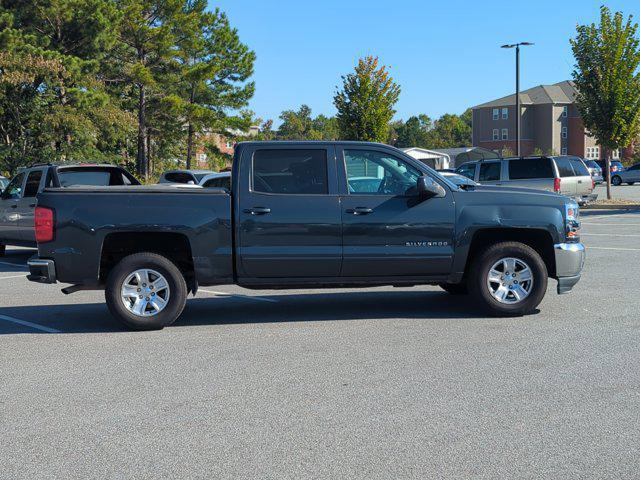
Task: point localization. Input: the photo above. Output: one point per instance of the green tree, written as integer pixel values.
(143, 58)
(365, 103)
(450, 131)
(413, 133)
(214, 67)
(53, 101)
(606, 76)
(300, 125)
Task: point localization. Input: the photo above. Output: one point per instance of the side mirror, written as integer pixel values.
(428, 188)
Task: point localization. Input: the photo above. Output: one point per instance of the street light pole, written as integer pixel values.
(518, 112)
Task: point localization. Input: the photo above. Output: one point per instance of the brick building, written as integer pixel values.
(550, 122)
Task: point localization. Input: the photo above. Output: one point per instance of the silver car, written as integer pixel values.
(562, 174)
(594, 170)
(629, 176)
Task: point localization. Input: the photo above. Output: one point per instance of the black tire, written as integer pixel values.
(616, 180)
(455, 288)
(481, 265)
(3, 250)
(176, 284)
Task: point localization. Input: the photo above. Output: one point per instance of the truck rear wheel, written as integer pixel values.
(508, 279)
(146, 291)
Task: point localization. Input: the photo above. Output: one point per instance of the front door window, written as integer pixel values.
(371, 172)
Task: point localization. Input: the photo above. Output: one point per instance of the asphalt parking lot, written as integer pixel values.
(377, 383)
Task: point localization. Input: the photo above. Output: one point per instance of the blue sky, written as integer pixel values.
(444, 54)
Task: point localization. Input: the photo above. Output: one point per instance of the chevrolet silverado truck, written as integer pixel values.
(307, 214)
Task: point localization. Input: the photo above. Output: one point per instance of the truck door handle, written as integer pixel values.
(257, 210)
(360, 210)
(31, 205)
(14, 206)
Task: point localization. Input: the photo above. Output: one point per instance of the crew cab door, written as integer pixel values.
(27, 205)
(9, 216)
(388, 230)
(288, 212)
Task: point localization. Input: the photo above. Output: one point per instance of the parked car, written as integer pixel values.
(217, 180)
(594, 170)
(292, 220)
(459, 180)
(563, 174)
(615, 166)
(629, 176)
(18, 199)
(3, 183)
(192, 177)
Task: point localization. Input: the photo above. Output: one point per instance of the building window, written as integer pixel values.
(565, 111)
(615, 154)
(229, 144)
(496, 134)
(203, 157)
(505, 113)
(563, 151)
(496, 113)
(505, 134)
(564, 132)
(593, 153)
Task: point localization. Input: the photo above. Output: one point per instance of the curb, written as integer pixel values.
(611, 207)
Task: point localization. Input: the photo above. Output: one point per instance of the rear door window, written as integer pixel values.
(564, 167)
(529, 168)
(289, 171)
(179, 177)
(33, 184)
(579, 168)
(489, 172)
(222, 182)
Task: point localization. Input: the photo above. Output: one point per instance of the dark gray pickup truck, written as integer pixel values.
(307, 214)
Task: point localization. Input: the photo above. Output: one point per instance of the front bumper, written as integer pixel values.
(569, 262)
(41, 271)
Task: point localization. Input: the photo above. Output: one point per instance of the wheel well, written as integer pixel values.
(174, 246)
(540, 240)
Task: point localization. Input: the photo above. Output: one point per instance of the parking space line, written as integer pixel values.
(249, 297)
(614, 248)
(13, 276)
(619, 224)
(609, 234)
(17, 265)
(35, 326)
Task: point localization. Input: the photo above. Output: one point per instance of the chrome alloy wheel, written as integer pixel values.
(510, 280)
(145, 292)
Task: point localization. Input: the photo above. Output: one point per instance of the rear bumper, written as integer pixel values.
(584, 199)
(41, 271)
(569, 263)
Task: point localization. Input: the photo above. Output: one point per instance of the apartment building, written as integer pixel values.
(550, 123)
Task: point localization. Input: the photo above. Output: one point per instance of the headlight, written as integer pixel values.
(572, 221)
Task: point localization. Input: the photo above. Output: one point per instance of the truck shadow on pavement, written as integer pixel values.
(15, 261)
(403, 305)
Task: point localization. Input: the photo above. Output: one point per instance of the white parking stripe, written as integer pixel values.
(35, 326)
(249, 297)
(609, 234)
(614, 248)
(17, 265)
(14, 276)
(620, 224)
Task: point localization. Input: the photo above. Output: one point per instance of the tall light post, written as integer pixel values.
(517, 47)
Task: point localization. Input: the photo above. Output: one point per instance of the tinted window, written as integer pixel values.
(468, 170)
(564, 167)
(179, 177)
(222, 182)
(579, 167)
(591, 164)
(530, 168)
(33, 183)
(14, 189)
(489, 172)
(301, 172)
(371, 172)
(84, 177)
(634, 167)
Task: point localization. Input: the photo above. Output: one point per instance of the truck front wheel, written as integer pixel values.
(146, 291)
(508, 279)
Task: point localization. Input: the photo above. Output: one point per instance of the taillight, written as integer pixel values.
(556, 185)
(593, 184)
(44, 224)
